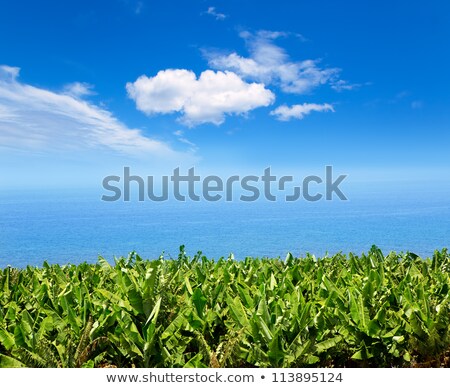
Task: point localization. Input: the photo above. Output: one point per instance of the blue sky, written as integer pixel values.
(226, 86)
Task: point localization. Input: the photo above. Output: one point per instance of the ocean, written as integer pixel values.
(62, 226)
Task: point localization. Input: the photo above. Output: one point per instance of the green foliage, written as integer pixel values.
(372, 310)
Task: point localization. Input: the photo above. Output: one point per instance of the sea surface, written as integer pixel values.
(62, 226)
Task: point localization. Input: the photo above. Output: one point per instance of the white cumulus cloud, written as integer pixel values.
(204, 99)
(40, 119)
(299, 111)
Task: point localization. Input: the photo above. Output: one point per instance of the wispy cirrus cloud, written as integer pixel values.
(342, 85)
(79, 89)
(217, 15)
(299, 111)
(270, 64)
(136, 6)
(40, 119)
(417, 104)
(208, 98)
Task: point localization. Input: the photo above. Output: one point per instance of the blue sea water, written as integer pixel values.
(75, 226)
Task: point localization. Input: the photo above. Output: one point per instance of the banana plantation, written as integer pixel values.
(339, 311)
